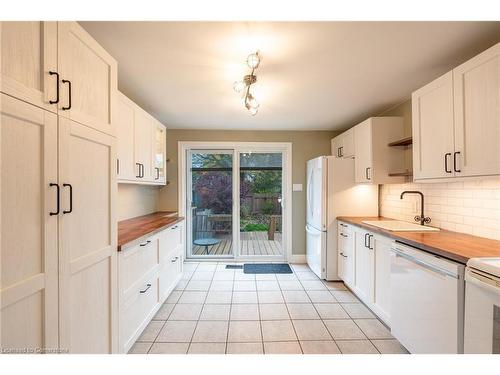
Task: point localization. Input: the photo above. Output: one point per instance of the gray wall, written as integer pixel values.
(305, 145)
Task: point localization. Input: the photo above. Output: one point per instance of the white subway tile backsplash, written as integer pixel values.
(471, 207)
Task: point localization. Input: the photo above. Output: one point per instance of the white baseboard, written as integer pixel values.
(298, 258)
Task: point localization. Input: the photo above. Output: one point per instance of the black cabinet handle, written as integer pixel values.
(366, 239)
(57, 88)
(370, 236)
(138, 176)
(367, 169)
(455, 161)
(70, 199)
(142, 170)
(117, 166)
(157, 173)
(446, 162)
(343, 225)
(343, 235)
(58, 199)
(145, 243)
(345, 256)
(145, 290)
(341, 149)
(69, 94)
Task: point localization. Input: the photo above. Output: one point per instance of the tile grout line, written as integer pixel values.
(291, 321)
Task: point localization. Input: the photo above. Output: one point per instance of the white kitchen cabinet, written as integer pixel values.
(141, 145)
(476, 98)
(88, 239)
(456, 121)
(382, 276)
(88, 79)
(29, 55)
(28, 256)
(159, 152)
(364, 264)
(59, 277)
(346, 253)
(125, 119)
(343, 144)
(147, 274)
(432, 112)
(374, 159)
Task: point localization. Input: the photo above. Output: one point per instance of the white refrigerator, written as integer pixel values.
(332, 192)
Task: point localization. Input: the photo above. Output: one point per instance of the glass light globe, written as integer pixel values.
(252, 102)
(253, 111)
(253, 60)
(239, 86)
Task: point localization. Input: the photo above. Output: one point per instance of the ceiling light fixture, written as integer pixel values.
(243, 86)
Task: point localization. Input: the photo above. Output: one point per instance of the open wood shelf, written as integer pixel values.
(402, 142)
(405, 174)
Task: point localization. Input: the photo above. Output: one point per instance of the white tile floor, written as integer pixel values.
(216, 310)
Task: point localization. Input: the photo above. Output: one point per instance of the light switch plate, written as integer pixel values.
(297, 187)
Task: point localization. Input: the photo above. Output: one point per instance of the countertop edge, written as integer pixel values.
(424, 247)
(136, 241)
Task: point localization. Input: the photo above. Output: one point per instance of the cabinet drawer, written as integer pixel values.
(170, 241)
(136, 262)
(169, 273)
(136, 310)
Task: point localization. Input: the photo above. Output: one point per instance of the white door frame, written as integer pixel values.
(239, 147)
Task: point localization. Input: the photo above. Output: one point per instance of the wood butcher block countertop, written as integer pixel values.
(459, 247)
(136, 230)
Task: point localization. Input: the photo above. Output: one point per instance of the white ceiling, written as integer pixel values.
(313, 75)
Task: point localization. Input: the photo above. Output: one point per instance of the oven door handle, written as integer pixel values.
(423, 264)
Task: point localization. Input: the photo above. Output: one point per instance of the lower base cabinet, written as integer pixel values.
(148, 272)
(365, 267)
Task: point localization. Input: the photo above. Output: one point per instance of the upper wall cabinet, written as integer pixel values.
(141, 145)
(88, 78)
(456, 121)
(59, 67)
(374, 159)
(343, 144)
(29, 62)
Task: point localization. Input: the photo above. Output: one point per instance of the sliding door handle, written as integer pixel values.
(446, 162)
(70, 199)
(58, 199)
(57, 88)
(455, 161)
(69, 95)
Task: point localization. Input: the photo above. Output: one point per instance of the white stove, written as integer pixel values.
(482, 306)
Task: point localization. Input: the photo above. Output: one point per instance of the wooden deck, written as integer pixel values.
(251, 243)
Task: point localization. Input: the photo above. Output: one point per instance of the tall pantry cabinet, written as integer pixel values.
(58, 256)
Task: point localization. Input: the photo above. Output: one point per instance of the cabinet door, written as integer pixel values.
(477, 115)
(364, 266)
(336, 146)
(92, 74)
(87, 240)
(29, 53)
(348, 144)
(28, 256)
(363, 151)
(432, 117)
(143, 145)
(159, 153)
(381, 298)
(125, 120)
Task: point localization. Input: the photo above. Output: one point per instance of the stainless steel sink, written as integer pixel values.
(400, 226)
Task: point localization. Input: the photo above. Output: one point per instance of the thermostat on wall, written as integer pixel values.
(297, 187)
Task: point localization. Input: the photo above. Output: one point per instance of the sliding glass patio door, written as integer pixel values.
(210, 203)
(234, 204)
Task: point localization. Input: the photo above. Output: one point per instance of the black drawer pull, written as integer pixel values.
(455, 161)
(343, 235)
(446, 162)
(138, 176)
(343, 225)
(345, 256)
(70, 199)
(57, 88)
(145, 290)
(145, 243)
(174, 259)
(58, 199)
(69, 95)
